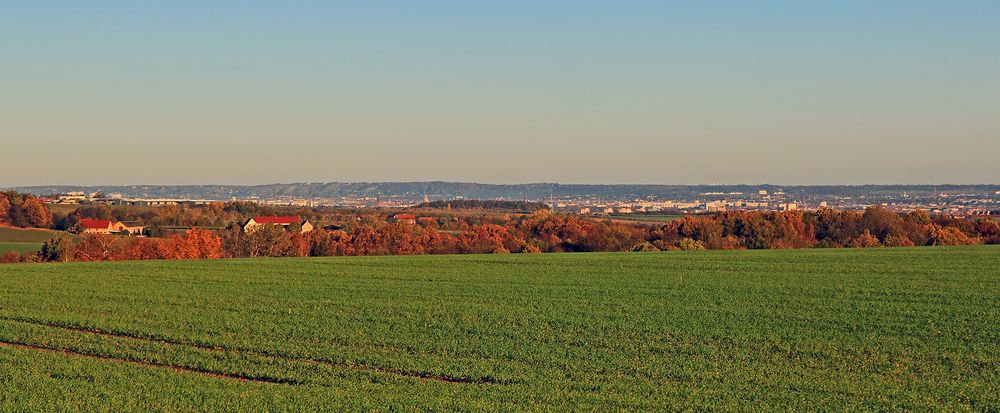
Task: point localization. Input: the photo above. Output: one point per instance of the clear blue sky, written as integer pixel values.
(786, 92)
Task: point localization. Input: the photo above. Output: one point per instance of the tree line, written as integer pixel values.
(24, 210)
(543, 231)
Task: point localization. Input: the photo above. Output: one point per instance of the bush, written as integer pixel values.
(688, 244)
(645, 247)
(530, 249)
(865, 240)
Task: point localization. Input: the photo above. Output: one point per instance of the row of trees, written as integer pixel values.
(544, 231)
(24, 210)
(195, 244)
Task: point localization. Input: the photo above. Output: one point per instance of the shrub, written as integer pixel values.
(865, 240)
(645, 247)
(688, 244)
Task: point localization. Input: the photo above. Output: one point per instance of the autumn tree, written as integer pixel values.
(269, 240)
(940, 235)
(4, 207)
(97, 247)
(24, 210)
(865, 240)
(197, 244)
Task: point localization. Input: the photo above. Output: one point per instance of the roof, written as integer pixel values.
(404, 216)
(277, 220)
(95, 223)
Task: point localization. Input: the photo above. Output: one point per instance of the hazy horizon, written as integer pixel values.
(506, 183)
(649, 92)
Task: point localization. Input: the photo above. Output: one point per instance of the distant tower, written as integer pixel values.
(426, 199)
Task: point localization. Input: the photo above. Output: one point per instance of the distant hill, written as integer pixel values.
(437, 190)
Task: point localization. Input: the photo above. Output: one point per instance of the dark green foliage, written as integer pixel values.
(59, 248)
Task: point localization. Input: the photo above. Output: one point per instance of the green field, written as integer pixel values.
(878, 329)
(23, 240)
(19, 247)
(30, 235)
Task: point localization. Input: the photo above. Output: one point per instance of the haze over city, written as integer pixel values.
(782, 92)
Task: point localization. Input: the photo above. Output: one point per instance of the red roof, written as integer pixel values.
(404, 217)
(95, 223)
(277, 220)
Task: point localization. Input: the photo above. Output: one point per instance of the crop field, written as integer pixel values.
(874, 329)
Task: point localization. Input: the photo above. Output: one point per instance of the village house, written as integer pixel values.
(132, 227)
(104, 226)
(406, 218)
(284, 222)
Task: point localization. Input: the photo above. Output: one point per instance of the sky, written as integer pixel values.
(697, 92)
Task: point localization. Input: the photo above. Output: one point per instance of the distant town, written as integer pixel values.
(597, 200)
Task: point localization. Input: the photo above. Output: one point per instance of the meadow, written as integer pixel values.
(835, 329)
(23, 239)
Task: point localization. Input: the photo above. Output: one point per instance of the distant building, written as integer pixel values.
(257, 222)
(762, 192)
(405, 218)
(94, 226)
(132, 227)
(104, 226)
(71, 198)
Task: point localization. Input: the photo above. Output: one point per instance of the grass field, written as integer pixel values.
(32, 235)
(879, 329)
(23, 239)
(19, 247)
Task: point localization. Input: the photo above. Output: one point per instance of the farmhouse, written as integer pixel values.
(94, 226)
(132, 227)
(104, 226)
(407, 218)
(285, 222)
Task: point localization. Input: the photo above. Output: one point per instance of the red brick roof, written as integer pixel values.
(277, 220)
(95, 223)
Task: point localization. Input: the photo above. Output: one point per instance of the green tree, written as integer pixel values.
(59, 248)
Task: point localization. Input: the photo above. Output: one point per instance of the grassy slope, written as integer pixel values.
(854, 329)
(26, 235)
(19, 247)
(23, 239)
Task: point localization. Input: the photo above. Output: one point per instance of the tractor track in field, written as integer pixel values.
(308, 360)
(146, 363)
